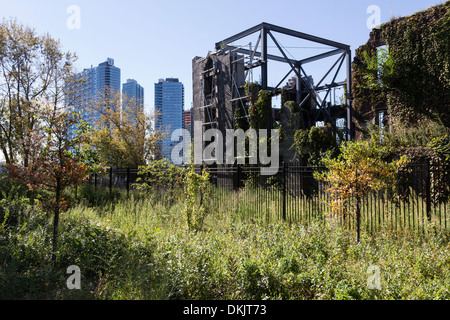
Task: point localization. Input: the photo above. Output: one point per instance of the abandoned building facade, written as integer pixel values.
(221, 82)
(222, 99)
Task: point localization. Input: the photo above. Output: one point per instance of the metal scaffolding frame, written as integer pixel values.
(265, 31)
(238, 99)
(209, 100)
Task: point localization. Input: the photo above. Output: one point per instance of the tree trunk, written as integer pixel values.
(6, 155)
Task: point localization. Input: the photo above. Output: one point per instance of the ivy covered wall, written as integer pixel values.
(416, 83)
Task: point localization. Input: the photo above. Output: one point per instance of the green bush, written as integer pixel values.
(316, 143)
(94, 197)
(15, 204)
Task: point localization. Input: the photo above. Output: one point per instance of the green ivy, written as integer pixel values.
(315, 143)
(440, 155)
(416, 75)
(259, 111)
(260, 104)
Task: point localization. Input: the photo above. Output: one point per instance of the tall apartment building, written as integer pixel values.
(91, 87)
(132, 92)
(108, 77)
(169, 105)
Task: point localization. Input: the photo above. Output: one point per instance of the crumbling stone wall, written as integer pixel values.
(419, 86)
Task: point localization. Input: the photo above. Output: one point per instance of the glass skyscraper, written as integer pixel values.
(132, 92)
(108, 78)
(91, 87)
(169, 105)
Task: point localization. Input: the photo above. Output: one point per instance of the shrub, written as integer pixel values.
(162, 181)
(15, 204)
(363, 167)
(315, 143)
(197, 192)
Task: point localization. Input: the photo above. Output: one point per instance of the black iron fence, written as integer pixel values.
(293, 194)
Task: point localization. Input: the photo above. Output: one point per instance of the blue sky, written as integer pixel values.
(150, 39)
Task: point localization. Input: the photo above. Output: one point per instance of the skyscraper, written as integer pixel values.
(132, 93)
(91, 87)
(108, 77)
(169, 105)
(132, 90)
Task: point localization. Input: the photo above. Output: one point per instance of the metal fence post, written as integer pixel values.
(110, 181)
(284, 189)
(237, 182)
(428, 189)
(128, 182)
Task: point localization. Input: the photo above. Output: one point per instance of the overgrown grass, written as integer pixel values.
(418, 135)
(142, 249)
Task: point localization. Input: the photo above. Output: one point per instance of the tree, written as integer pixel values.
(361, 168)
(198, 193)
(379, 70)
(31, 67)
(54, 165)
(123, 137)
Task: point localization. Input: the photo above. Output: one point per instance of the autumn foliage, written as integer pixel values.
(363, 167)
(55, 164)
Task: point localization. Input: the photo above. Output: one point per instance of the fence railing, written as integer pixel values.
(293, 194)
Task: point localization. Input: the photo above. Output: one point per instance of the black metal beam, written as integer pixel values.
(329, 71)
(266, 29)
(286, 59)
(282, 80)
(349, 96)
(334, 78)
(313, 93)
(331, 85)
(258, 54)
(305, 36)
(321, 56)
(238, 36)
(282, 30)
(252, 65)
(264, 58)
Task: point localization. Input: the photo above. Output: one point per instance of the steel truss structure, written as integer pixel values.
(259, 58)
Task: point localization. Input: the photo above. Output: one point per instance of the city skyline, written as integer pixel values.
(160, 39)
(91, 86)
